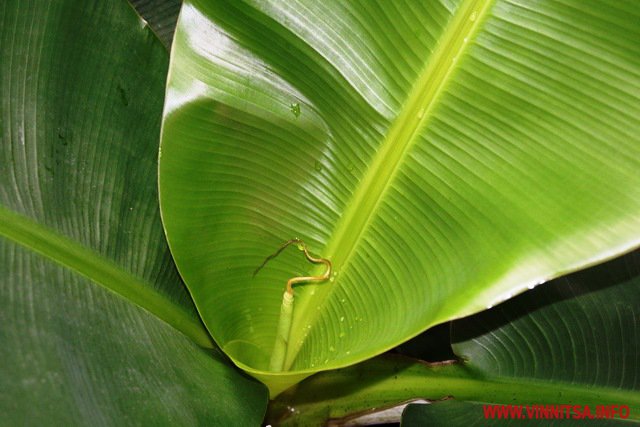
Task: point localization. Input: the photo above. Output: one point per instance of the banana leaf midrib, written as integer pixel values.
(413, 116)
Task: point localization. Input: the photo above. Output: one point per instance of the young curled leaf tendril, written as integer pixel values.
(300, 279)
(281, 344)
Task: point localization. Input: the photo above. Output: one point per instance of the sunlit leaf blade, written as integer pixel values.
(444, 155)
(573, 341)
(81, 85)
(161, 16)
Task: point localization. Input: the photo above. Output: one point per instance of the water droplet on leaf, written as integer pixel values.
(295, 109)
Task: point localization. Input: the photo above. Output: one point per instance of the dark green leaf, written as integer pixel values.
(81, 85)
(452, 413)
(161, 15)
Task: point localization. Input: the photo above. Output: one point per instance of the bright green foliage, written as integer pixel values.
(81, 85)
(445, 155)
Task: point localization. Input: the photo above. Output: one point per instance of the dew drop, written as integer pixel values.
(318, 166)
(295, 109)
(342, 319)
(421, 113)
(473, 16)
(332, 349)
(348, 352)
(466, 39)
(342, 334)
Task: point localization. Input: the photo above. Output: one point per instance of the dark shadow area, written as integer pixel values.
(593, 279)
(433, 345)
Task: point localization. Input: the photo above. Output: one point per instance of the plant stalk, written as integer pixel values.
(282, 336)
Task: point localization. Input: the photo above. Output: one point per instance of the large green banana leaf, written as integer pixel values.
(443, 155)
(573, 341)
(81, 85)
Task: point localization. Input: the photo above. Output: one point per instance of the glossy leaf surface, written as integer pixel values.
(573, 341)
(81, 85)
(444, 155)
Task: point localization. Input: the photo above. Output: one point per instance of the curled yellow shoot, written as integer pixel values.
(279, 352)
(301, 279)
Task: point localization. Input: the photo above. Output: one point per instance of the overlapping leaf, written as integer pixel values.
(81, 86)
(578, 335)
(444, 155)
(161, 16)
